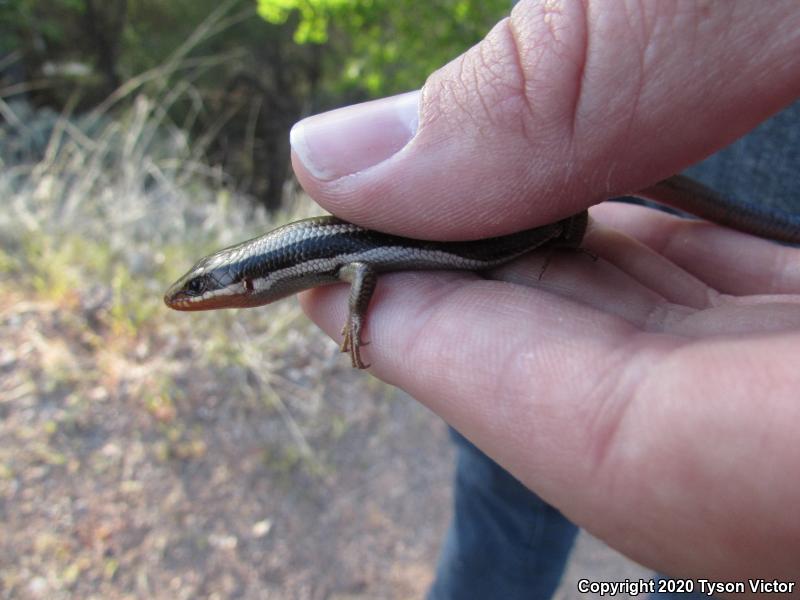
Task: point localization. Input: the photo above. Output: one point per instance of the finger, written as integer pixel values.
(649, 291)
(726, 260)
(561, 104)
(628, 279)
(456, 335)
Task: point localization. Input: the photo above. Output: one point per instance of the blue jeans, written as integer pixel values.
(504, 541)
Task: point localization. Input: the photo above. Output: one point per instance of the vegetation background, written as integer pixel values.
(147, 453)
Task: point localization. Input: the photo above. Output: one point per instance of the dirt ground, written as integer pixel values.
(117, 484)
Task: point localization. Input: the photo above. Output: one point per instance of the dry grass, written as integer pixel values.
(148, 453)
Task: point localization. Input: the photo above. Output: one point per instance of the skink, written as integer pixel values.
(324, 250)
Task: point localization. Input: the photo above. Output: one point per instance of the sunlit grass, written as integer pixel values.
(127, 428)
(129, 208)
(97, 225)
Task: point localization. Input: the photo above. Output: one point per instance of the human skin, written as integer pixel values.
(651, 395)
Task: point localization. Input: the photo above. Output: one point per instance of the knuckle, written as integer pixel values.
(521, 77)
(483, 88)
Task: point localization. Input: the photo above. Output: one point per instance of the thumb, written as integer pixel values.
(564, 103)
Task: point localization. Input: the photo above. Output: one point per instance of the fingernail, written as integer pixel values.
(354, 138)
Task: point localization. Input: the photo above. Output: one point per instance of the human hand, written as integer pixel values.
(650, 395)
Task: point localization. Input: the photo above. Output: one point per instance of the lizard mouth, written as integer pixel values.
(180, 300)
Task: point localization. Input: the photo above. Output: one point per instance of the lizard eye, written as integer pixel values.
(196, 286)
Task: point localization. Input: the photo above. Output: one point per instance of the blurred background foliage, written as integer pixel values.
(231, 454)
(255, 66)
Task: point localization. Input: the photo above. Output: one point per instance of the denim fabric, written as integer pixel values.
(504, 541)
(764, 165)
